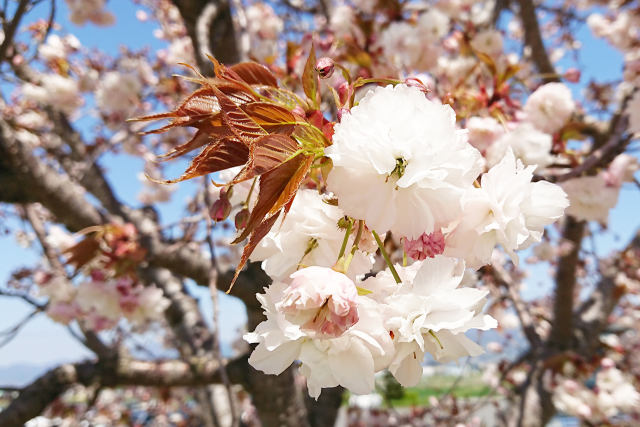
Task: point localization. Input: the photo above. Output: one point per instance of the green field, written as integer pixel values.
(469, 386)
(437, 385)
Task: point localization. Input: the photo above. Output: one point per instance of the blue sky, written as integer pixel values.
(44, 342)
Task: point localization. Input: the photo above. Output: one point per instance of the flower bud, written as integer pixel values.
(325, 67)
(417, 83)
(241, 219)
(572, 75)
(221, 208)
(342, 112)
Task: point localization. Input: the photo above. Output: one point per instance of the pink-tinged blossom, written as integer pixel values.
(425, 246)
(350, 359)
(483, 132)
(63, 312)
(550, 107)
(508, 210)
(591, 198)
(118, 94)
(399, 162)
(264, 27)
(57, 47)
(528, 144)
(621, 170)
(322, 301)
(89, 10)
(488, 42)
(55, 90)
(429, 313)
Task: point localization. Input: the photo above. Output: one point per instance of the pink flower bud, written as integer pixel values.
(325, 67)
(417, 83)
(321, 300)
(572, 75)
(221, 208)
(425, 246)
(344, 92)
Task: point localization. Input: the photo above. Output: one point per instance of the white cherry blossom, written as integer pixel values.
(400, 163)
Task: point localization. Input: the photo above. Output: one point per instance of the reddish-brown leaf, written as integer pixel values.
(310, 136)
(224, 154)
(209, 132)
(197, 106)
(272, 118)
(289, 191)
(272, 186)
(82, 252)
(238, 121)
(309, 77)
(267, 153)
(259, 232)
(254, 74)
(283, 97)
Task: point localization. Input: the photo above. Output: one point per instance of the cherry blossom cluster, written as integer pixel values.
(611, 393)
(401, 167)
(99, 302)
(108, 290)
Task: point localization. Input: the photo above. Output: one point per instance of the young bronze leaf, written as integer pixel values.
(206, 134)
(224, 154)
(283, 97)
(267, 153)
(272, 118)
(238, 121)
(289, 191)
(254, 74)
(272, 184)
(309, 77)
(310, 136)
(260, 231)
(82, 252)
(200, 104)
(236, 90)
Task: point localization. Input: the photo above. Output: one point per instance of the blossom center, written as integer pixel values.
(398, 171)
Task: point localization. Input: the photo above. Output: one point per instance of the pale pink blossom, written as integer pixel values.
(550, 107)
(621, 170)
(321, 300)
(425, 246)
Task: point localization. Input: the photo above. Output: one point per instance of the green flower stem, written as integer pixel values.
(354, 248)
(343, 248)
(394, 273)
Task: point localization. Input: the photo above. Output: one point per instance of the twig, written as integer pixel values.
(213, 274)
(10, 30)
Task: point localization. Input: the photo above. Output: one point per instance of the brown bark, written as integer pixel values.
(564, 299)
(210, 26)
(34, 398)
(533, 39)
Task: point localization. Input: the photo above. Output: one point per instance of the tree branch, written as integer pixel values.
(210, 26)
(562, 326)
(26, 179)
(34, 398)
(533, 39)
(10, 29)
